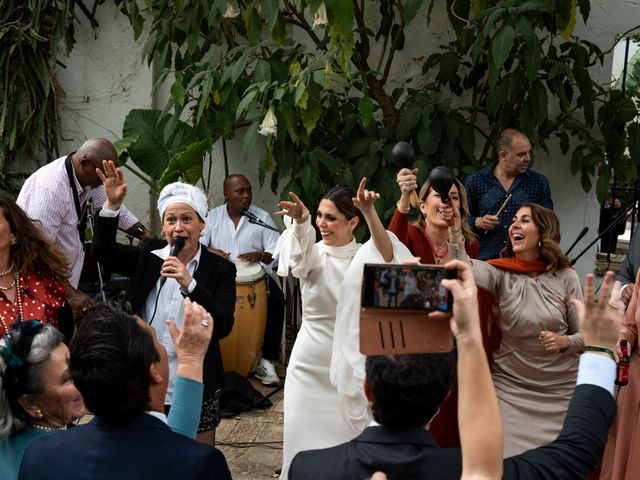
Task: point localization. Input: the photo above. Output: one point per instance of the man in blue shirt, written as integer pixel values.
(489, 188)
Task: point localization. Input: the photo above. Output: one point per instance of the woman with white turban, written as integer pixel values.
(159, 281)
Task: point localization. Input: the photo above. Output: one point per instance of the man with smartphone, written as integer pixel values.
(406, 390)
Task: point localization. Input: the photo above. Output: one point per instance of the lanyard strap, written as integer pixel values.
(80, 212)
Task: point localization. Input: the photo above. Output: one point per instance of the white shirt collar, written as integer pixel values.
(159, 415)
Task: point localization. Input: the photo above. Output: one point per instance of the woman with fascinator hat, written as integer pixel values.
(159, 281)
(32, 270)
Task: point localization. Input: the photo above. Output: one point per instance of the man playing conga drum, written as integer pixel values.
(229, 233)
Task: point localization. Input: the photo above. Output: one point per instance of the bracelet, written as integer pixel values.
(598, 348)
(400, 209)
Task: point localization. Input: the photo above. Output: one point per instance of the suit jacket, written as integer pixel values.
(411, 454)
(138, 448)
(215, 289)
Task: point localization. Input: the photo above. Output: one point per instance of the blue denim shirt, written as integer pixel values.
(486, 194)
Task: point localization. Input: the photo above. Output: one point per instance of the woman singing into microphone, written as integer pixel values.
(195, 272)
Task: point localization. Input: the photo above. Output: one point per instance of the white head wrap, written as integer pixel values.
(179, 192)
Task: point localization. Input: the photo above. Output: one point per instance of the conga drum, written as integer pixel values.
(241, 348)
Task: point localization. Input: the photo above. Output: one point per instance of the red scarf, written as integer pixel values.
(515, 264)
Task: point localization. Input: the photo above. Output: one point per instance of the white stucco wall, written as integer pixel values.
(105, 78)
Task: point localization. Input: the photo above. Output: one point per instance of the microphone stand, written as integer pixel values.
(91, 222)
(621, 214)
(256, 221)
(578, 238)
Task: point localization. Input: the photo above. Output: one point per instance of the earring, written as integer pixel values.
(13, 240)
(39, 413)
(539, 243)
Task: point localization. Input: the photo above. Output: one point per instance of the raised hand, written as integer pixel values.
(295, 209)
(364, 198)
(191, 343)
(600, 321)
(407, 181)
(114, 185)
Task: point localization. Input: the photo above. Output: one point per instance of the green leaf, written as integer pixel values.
(602, 184)
(411, 7)
(633, 141)
(270, 10)
(585, 181)
(262, 71)
(365, 109)
(449, 62)
(239, 66)
(306, 178)
(409, 118)
(245, 102)
(359, 147)
(150, 152)
(311, 114)
(186, 165)
(329, 162)
(585, 7)
(501, 47)
(538, 101)
(250, 139)
(178, 93)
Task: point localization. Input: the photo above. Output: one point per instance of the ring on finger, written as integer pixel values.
(204, 322)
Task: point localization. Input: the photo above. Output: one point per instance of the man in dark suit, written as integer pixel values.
(122, 371)
(407, 390)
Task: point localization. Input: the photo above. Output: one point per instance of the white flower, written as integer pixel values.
(269, 126)
(231, 11)
(320, 17)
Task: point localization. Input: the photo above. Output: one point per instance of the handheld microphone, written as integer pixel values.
(176, 246)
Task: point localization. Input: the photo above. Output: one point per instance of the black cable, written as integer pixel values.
(271, 445)
(155, 307)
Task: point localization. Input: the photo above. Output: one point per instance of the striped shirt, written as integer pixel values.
(47, 198)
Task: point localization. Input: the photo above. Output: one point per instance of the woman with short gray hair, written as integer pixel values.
(37, 394)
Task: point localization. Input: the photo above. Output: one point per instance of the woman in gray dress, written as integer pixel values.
(536, 363)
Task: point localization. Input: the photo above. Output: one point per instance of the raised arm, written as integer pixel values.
(191, 345)
(365, 200)
(479, 418)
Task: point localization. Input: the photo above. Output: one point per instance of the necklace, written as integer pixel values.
(7, 272)
(8, 287)
(438, 254)
(47, 429)
(16, 281)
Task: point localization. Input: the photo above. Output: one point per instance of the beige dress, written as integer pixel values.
(534, 387)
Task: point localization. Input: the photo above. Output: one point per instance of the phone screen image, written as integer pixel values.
(408, 287)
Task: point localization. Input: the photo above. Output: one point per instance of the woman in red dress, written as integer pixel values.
(427, 238)
(32, 270)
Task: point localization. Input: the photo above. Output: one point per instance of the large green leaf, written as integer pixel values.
(156, 144)
(186, 165)
(501, 47)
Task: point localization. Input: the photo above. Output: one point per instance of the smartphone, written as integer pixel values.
(406, 287)
(395, 306)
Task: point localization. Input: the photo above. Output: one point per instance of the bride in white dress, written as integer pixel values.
(312, 417)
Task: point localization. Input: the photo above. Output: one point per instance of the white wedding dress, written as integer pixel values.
(313, 416)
